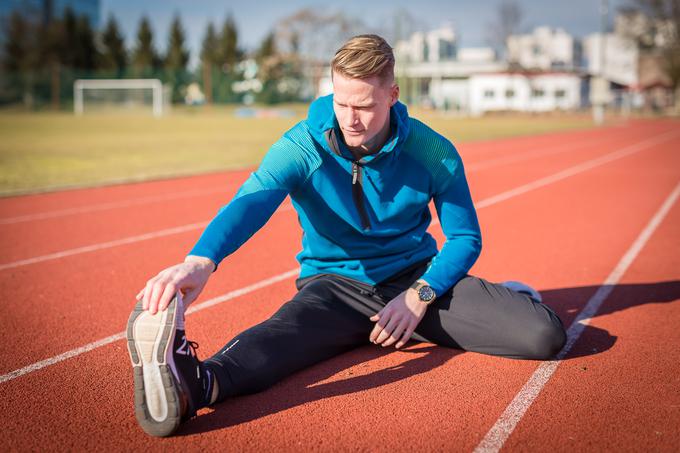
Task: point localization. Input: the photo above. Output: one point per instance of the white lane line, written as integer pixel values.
(104, 245)
(121, 335)
(487, 202)
(112, 205)
(527, 155)
(116, 243)
(507, 422)
(571, 171)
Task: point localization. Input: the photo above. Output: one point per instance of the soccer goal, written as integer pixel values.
(98, 94)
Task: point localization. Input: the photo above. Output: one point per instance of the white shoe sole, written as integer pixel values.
(157, 400)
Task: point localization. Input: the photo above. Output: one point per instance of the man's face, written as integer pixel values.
(362, 107)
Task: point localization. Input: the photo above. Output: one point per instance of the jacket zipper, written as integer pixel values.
(358, 194)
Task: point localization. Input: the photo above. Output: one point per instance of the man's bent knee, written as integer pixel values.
(545, 342)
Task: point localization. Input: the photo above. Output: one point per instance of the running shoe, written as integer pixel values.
(171, 384)
(523, 288)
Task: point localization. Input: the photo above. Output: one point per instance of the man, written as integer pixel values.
(360, 174)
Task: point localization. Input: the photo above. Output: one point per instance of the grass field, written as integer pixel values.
(51, 150)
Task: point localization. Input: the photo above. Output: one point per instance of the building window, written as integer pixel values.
(489, 94)
(509, 93)
(560, 94)
(537, 93)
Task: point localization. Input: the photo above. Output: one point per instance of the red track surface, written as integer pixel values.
(617, 389)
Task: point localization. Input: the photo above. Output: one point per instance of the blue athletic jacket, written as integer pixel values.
(364, 219)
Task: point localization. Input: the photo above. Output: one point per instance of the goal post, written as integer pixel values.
(81, 85)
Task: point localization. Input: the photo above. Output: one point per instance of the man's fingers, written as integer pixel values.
(139, 295)
(166, 297)
(387, 331)
(379, 326)
(377, 316)
(396, 334)
(405, 337)
(157, 292)
(147, 293)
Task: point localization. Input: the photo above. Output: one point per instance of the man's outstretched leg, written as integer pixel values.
(317, 324)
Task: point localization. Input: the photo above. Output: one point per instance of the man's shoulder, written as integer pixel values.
(427, 143)
(295, 148)
(299, 139)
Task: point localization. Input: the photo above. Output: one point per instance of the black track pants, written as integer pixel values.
(330, 315)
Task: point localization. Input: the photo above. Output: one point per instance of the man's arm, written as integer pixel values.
(459, 223)
(396, 322)
(281, 172)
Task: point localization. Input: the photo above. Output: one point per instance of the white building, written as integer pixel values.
(433, 71)
(545, 48)
(620, 58)
(445, 84)
(524, 92)
(433, 46)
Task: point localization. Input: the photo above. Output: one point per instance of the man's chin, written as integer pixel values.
(354, 141)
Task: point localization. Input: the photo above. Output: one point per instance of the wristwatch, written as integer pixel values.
(425, 292)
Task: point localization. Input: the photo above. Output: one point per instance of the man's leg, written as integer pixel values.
(485, 317)
(476, 315)
(315, 325)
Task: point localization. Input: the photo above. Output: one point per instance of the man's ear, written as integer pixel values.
(394, 94)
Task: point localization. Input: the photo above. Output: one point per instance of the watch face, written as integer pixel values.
(426, 294)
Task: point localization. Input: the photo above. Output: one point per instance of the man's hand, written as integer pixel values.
(398, 319)
(188, 277)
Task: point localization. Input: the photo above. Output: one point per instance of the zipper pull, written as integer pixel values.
(355, 172)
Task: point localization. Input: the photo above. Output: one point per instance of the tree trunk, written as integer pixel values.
(207, 82)
(55, 70)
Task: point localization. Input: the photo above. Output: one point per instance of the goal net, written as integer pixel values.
(117, 94)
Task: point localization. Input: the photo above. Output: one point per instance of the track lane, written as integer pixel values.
(266, 413)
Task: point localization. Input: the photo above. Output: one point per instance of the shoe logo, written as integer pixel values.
(184, 348)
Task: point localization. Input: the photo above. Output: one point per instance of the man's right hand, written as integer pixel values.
(188, 277)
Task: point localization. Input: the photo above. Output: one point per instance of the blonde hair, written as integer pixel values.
(364, 56)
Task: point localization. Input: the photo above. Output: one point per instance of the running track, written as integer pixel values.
(590, 218)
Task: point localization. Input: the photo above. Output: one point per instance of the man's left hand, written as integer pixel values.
(398, 319)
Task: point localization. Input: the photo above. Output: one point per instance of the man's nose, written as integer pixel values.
(352, 117)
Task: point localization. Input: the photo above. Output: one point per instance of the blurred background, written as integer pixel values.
(101, 91)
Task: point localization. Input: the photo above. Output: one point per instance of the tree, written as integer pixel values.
(20, 59)
(229, 55)
(665, 15)
(310, 37)
(53, 53)
(280, 74)
(85, 51)
(507, 23)
(209, 61)
(145, 60)
(176, 59)
(229, 52)
(113, 55)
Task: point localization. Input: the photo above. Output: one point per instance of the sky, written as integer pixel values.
(254, 19)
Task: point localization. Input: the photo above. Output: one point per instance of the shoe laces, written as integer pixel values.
(194, 346)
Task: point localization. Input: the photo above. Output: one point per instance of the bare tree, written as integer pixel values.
(311, 36)
(315, 34)
(665, 27)
(507, 22)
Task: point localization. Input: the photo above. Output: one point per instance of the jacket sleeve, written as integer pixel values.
(459, 223)
(281, 172)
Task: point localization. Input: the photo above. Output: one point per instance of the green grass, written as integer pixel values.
(50, 150)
